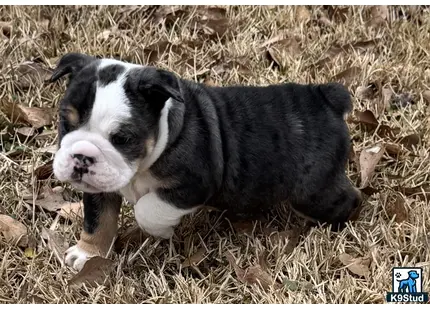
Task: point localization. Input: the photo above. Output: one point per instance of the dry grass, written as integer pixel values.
(399, 60)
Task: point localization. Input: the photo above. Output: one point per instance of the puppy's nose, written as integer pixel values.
(82, 160)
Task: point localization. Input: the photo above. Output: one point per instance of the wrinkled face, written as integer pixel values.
(110, 121)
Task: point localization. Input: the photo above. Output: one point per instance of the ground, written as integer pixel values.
(381, 54)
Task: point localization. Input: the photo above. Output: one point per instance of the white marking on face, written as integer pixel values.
(157, 217)
(108, 173)
(162, 139)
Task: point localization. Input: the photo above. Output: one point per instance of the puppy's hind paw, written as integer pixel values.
(76, 257)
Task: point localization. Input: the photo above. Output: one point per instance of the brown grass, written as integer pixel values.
(152, 273)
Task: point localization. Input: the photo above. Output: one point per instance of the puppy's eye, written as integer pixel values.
(120, 139)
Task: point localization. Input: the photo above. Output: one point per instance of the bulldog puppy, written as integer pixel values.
(170, 146)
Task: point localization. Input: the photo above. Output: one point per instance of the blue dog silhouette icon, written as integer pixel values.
(410, 283)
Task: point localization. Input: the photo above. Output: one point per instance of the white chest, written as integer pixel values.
(140, 185)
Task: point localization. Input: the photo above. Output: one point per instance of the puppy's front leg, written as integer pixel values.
(158, 217)
(100, 227)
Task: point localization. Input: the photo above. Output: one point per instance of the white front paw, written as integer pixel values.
(77, 257)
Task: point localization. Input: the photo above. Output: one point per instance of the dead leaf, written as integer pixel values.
(50, 199)
(369, 191)
(347, 76)
(56, 243)
(410, 141)
(34, 116)
(32, 73)
(283, 49)
(167, 14)
(244, 227)
(402, 101)
(397, 209)
(252, 275)
(379, 14)
(369, 158)
(26, 132)
(385, 103)
(302, 14)
(72, 210)
(45, 171)
(364, 92)
(133, 235)
(195, 259)
(423, 190)
(358, 266)
(426, 96)
(211, 12)
(94, 272)
(213, 28)
(50, 149)
(5, 29)
(13, 231)
(337, 13)
(297, 285)
(393, 149)
(369, 122)
(29, 253)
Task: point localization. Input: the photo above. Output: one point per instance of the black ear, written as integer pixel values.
(70, 63)
(161, 83)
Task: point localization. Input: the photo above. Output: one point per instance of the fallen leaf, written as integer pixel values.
(13, 231)
(358, 266)
(369, 191)
(34, 116)
(347, 76)
(426, 96)
(337, 13)
(297, 285)
(167, 14)
(50, 149)
(397, 209)
(45, 171)
(252, 275)
(368, 120)
(56, 243)
(213, 28)
(94, 272)
(50, 199)
(262, 260)
(32, 73)
(72, 210)
(379, 14)
(6, 29)
(244, 227)
(26, 132)
(133, 235)
(211, 12)
(385, 103)
(283, 49)
(367, 117)
(29, 253)
(410, 141)
(195, 259)
(393, 149)
(364, 92)
(302, 14)
(423, 191)
(369, 158)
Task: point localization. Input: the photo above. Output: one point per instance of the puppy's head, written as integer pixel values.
(113, 120)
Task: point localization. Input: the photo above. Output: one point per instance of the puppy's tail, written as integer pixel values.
(338, 97)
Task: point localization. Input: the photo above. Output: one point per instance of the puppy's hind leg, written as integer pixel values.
(158, 217)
